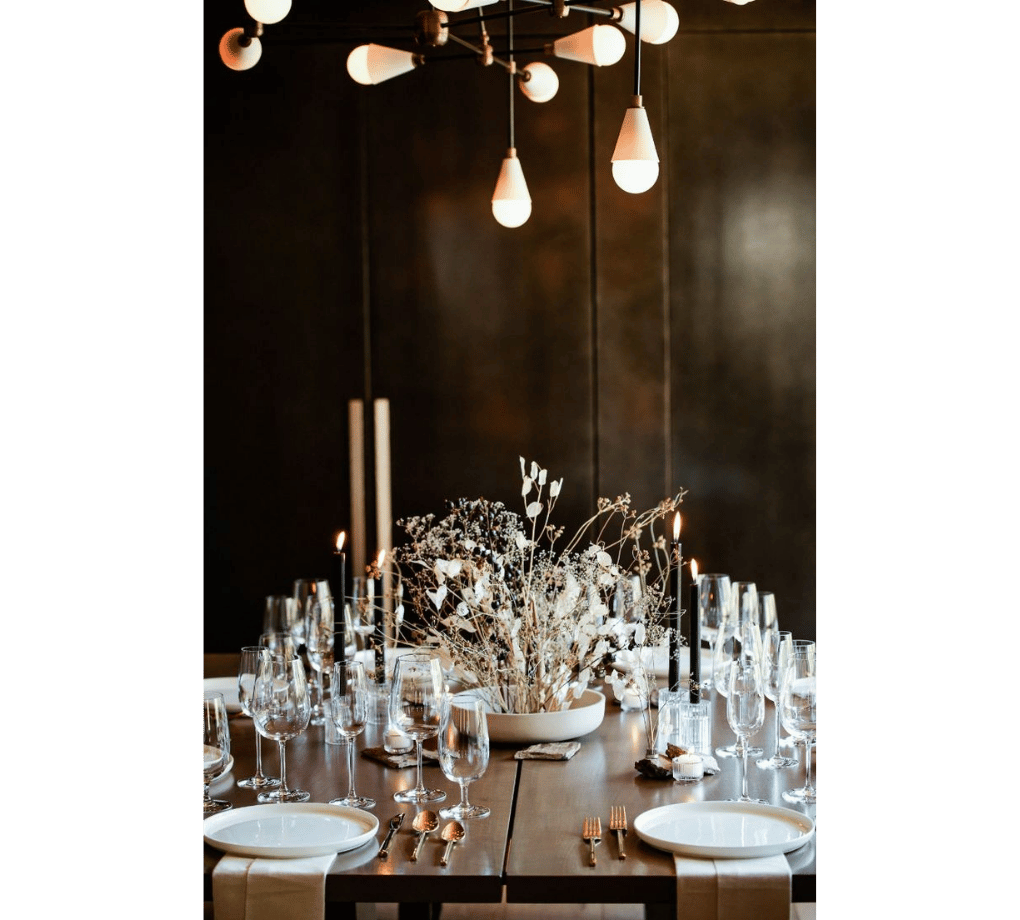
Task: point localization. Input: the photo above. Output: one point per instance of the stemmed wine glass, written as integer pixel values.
(349, 699)
(280, 709)
(279, 614)
(463, 750)
(745, 712)
(738, 639)
(215, 747)
(279, 643)
(778, 646)
(247, 671)
(797, 709)
(319, 645)
(713, 602)
(362, 610)
(416, 699)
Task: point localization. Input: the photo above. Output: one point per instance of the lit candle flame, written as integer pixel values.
(694, 569)
(341, 537)
(676, 526)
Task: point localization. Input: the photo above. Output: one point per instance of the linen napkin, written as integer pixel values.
(270, 889)
(552, 751)
(732, 889)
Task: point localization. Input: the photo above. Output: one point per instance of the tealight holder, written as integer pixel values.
(688, 768)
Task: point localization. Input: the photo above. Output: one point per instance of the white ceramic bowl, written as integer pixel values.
(584, 715)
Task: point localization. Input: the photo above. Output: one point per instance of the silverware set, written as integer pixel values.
(424, 823)
(591, 831)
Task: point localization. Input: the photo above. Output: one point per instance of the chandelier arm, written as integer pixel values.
(593, 10)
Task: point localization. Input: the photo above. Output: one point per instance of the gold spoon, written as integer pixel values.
(424, 823)
(452, 833)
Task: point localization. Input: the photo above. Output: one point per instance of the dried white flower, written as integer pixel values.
(526, 486)
(534, 510)
(555, 486)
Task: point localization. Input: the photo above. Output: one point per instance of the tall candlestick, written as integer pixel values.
(694, 635)
(356, 428)
(674, 613)
(340, 596)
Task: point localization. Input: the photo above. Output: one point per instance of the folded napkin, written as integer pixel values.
(732, 889)
(562, 750)
(400, 761)
(270, 889)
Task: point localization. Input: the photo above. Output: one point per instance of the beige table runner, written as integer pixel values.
(732, 889)
(270, 889)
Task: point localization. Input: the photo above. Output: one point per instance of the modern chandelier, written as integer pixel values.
(635, 161)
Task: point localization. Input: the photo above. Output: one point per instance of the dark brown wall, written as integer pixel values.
(628, 343)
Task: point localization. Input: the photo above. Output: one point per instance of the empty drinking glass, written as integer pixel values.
(463, 750)
(280, 708)
(216, 747)
(247, 671)
(745, 712)
(348, 703)
(416, 700)
(797, 709)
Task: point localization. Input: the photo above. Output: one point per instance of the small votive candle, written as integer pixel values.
(396, 742)
(688, 768)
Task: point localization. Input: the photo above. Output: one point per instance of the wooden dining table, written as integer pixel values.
(529, 849)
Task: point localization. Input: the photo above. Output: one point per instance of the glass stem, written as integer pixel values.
(283, 769)
(777, 730)
(259, 775)
(742, 744)
(808, 786)
(421, 786)
(351, 794)
(464, 804)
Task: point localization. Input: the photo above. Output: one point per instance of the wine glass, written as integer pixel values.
(416, 699)
(777, 648)
(738, 639)
(279, 643)
(797, 709)
(787, 740)
(348, 703)
(247, 670)
(745, 712)
(463, 750)
(319, 646)
(280, 708)
(713, 602)
(362, 610)
(279, 614)
(215, 746)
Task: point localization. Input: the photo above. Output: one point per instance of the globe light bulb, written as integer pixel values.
(541, 82)
(267, 11)
(599, 45)
(635, 160)
(511, 202)
(371, 64)
(455, 6)
(659, 20)
(237, 56)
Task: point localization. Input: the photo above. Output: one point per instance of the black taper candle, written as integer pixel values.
(694, 636)
(674, 613)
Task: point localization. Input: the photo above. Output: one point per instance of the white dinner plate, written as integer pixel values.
(724, 830)
(228, 687)
(658, 659)
(290, 829)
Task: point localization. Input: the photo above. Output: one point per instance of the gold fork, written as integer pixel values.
(592, 833)
(618, 823)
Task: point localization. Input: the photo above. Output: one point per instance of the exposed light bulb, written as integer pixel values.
(371, 64)
(455, 6)
(635, 161)
(599, 45)
(659, 21)
(541, 83)
(237, 56)
(267, 11)
(511, 202)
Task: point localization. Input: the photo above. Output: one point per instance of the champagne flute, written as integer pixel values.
(738, 639)
(247, 671)
(797, 708)
(280, 708)
(463, 750)
(349, 699)
(778, 646)
(215, 746)
(745, 712)
(319, 646)
(416, 699)
(713, 602)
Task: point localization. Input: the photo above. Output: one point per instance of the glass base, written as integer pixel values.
(731, 751)
(291, 795)
(458, 812)
(414, 796)
(776, 762)
(356, 801)
(259, 782)
(212, 806)
(802, 796)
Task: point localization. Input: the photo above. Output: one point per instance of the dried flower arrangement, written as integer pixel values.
(530, 623)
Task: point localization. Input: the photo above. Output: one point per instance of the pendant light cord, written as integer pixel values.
(637, 48)
(511, 70)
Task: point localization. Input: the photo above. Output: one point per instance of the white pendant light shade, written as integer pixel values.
(659, 21)
(371, 64)
(739, 2)
(455, 6)
(635, 161)
(237, 56)
(599, 45)
(511, 202)
(541, 83)
(267, 11)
